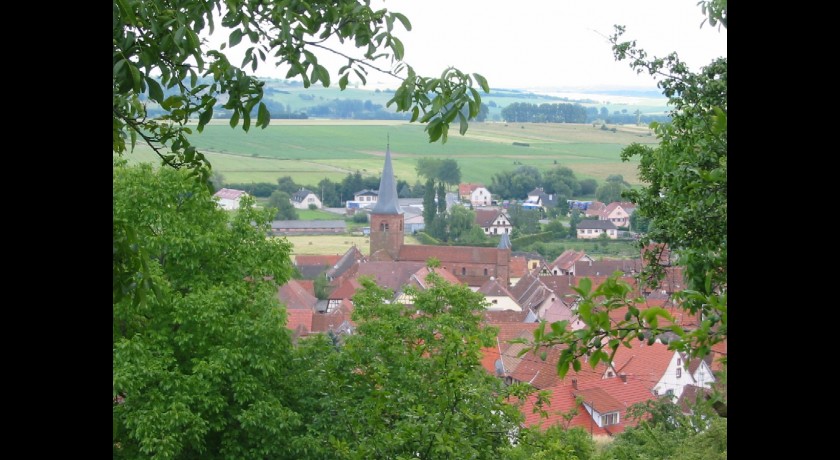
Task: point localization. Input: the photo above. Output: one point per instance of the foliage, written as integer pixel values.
(443, 170)
(258, 189)
(638, 223)
(664, 431)
(429, 206)
(610, 191)
(287, 184)
(322, 287)
(555, 443)
(526, 221)
(360, 218)
(441, 199)
(561, 181)
(161, 37)
(330, 193)
(518, 112)
(280, 201)
(199, 358)
(408, 383)
(515, 184)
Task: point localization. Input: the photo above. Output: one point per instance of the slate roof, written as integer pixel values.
(345, 263)
(595, 224)
(301, 194)
(608, 266)
(504, 242)
(387, 202)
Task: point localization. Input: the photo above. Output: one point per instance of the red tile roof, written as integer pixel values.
(317, 259)
(390, 275)
(323, 322)
(346, 289)
(645, 363)
(449, 254)
(497, 317)
(567, 259)
(486, 217)
(309, 285)
(494, 288)
(599, 400)
(418, 278)
(295, 296)
(467, 189)
(299, 318)
(518, 266)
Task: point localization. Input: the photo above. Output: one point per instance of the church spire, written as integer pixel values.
(505, 242)
(387, 203)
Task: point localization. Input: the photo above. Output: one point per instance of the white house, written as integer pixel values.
(587, 229)
(701, 372)
(665, 369)
(366, 197)
(498, 296)
(493, 221)
(481, 197)
(303, 198)
(228, 198)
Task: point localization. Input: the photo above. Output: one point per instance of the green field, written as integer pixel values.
(310, 150)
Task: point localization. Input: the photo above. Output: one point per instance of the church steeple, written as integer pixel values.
(387, 202)
(386, 219)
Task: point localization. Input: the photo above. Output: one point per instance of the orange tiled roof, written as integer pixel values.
(518, 266)
(643, 362)
(295, 296)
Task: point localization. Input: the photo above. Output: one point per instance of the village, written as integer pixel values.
(521, 289)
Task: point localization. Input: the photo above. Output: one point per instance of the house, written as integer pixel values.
(664, 370)
(308, 227)
(493, 221)
(498, 296)
(588, 229)
(228, 198)
(564, 264)
(303, 198)
(347, 265)
(366, 197)
(481, 197)
(538, 199)
(595, 209)
(619, 213)
(465, 190)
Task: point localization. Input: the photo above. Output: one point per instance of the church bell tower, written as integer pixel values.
(386, 219)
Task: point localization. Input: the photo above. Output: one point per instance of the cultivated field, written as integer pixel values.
(310, 150)
(334, 244)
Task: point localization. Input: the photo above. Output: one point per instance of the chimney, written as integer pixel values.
(623, 377)
(574, 384)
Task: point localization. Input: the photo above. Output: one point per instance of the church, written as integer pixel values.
(471, 265)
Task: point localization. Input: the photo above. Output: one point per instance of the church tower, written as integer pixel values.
(386, 219)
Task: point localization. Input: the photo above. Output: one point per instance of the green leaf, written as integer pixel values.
(155, 91)
(482, 82)
(399, 50)
(204, 117)
(342, 82)
(464, 124)
(404, 20)
(235, 37)
(263, 116)
(136, 79)
(234, 119)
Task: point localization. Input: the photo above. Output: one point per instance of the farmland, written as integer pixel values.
(310, 150)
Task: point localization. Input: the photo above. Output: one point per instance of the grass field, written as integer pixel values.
(310, 150)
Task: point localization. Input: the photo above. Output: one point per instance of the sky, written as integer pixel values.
(543, 44)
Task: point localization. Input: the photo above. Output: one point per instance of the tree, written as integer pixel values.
(200, 351)
(685, 196)
(441, 199)
(159, 37)
(281, 202)
(217, 181)
(525, 221)
(288, 185)
(460, 222)
(445, 171)
(409, 382)
(429, 206)
(517, 183)
(561, 181)
(588, 186)
(610, 191)
(330, 193)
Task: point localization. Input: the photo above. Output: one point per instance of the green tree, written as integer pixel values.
(409, 383)
(441, 199)
(446, 171)
(330, 193)
(460, 222)
(217, 181)
(429, 206)
(588, 186)
(200, 356)
(288, 185)
(561, 181)
(610, 191)
(281, 202)
(525, 221)
(161, 37)
(555, 443)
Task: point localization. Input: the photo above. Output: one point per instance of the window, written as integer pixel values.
(382, 226)
(463, 271)
(485, 272)
(670, 392)
(610, 418)
(679, 361)
(679, 372)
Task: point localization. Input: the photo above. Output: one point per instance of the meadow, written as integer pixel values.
(310, 150)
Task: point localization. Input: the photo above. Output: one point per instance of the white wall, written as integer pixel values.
(670, 381)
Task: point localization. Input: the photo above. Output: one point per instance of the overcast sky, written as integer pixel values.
(533, 44)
